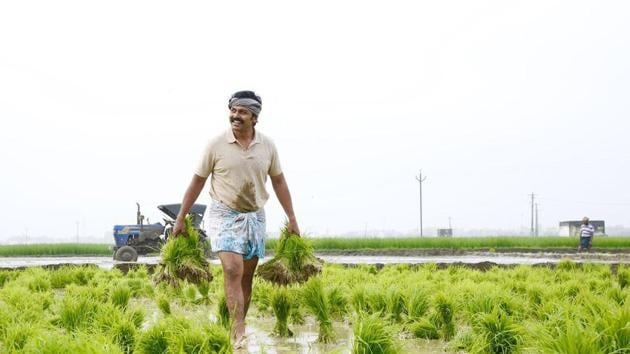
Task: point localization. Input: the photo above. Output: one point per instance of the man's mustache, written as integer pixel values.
(232, 120)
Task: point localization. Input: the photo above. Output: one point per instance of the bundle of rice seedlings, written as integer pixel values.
(293, 262)
(417, 305)
(443, 316)
(372, 336)
(281, 304)
(120, 295)
(337, 302)
(164, 305)
(204, 291)
(124, 334)
(154, 340)
(183, 259)
(315, 300)
(396, 304)
(424, 328)
(496, 333)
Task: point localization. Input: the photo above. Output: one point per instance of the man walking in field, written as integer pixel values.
(586, 235)
(239, 161)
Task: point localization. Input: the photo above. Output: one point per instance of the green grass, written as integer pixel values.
(330, 243)
(341, 243)
(56, 249)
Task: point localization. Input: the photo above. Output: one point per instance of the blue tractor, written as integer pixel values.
(141, 238)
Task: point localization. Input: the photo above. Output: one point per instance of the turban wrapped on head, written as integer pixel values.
(247, 99)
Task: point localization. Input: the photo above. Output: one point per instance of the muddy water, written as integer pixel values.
(470, 258)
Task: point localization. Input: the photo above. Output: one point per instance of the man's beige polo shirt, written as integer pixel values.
(239, 174)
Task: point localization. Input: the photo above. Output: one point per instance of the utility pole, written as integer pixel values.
(420, 179)
(536, 219)
(531, 230)
(77, 231)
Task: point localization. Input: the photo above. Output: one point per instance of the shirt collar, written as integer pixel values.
(230, 138)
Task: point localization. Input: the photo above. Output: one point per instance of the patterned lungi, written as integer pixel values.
(233, 231)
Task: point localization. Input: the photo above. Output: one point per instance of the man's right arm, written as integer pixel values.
(193, 191)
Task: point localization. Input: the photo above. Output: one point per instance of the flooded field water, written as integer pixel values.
(470, 258)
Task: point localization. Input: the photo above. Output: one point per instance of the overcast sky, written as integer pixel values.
(107, 103)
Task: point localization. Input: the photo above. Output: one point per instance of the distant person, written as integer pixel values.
(586, 235)
(239, 160)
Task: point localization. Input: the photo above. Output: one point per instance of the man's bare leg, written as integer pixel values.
(247, 281)
(233, 266)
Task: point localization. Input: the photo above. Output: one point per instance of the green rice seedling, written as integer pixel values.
(566, 264)
(183, 259)
(204, 291)
(262, 294)
(337, 302)
(571, 337)
(444, 313)
(164, 304)
(535, 294)
(358, 299)
(136, 315)
(154, 340)
(293, 262)
(217, 339)
(369, 299)
(192, 341)
(371, 335)
(16, 335)
(120, 295)
(463, 341)
(139, 287)
(424, 328)
(614, 331)
(107, 316)
(25, 305)
(315, 301)
(79, 343)
(417, 305)
(61, 277)
(190, 293)
(39, 283)
(97, 293)
(623, 277)
(6, 276)
(139, 272)
(281, 304)
(617, 295)
(296, 316)
(571, 289)
(77, 312)
(124, 334)
(223, 312)
(396, 304)
(497, 333)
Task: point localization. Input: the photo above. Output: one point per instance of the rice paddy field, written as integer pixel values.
(368, 243)
(571, 308)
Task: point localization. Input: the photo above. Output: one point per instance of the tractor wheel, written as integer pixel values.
(126, 254)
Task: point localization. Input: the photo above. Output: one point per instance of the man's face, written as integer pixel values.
(241, 119)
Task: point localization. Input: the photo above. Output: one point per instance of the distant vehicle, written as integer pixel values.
(141, 238)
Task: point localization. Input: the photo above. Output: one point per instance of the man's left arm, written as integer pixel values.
(281, 189)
